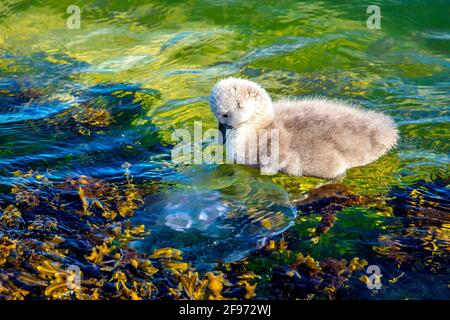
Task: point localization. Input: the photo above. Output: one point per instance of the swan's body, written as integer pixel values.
(317, 137)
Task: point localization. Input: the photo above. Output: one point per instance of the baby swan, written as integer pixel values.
(317, 137)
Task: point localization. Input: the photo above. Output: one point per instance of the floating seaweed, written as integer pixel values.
(425, 241)
(72, 225)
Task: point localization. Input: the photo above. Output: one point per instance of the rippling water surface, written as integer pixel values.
(85, 102)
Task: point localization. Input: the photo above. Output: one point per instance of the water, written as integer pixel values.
(77, 103)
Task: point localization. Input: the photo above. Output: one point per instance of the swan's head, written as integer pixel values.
(239, 102)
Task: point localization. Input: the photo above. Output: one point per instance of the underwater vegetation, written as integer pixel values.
(88, 191)
(85, 221)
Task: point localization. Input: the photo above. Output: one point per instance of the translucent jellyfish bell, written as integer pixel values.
(221, 215)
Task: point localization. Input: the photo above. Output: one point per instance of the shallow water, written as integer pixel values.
(84, 102)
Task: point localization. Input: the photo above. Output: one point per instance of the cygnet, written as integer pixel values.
(316, 136)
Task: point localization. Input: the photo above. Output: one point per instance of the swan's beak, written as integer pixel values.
(223, 127)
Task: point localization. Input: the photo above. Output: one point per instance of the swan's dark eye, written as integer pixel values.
(225, 115)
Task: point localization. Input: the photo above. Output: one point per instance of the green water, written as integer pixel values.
(83, 102)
